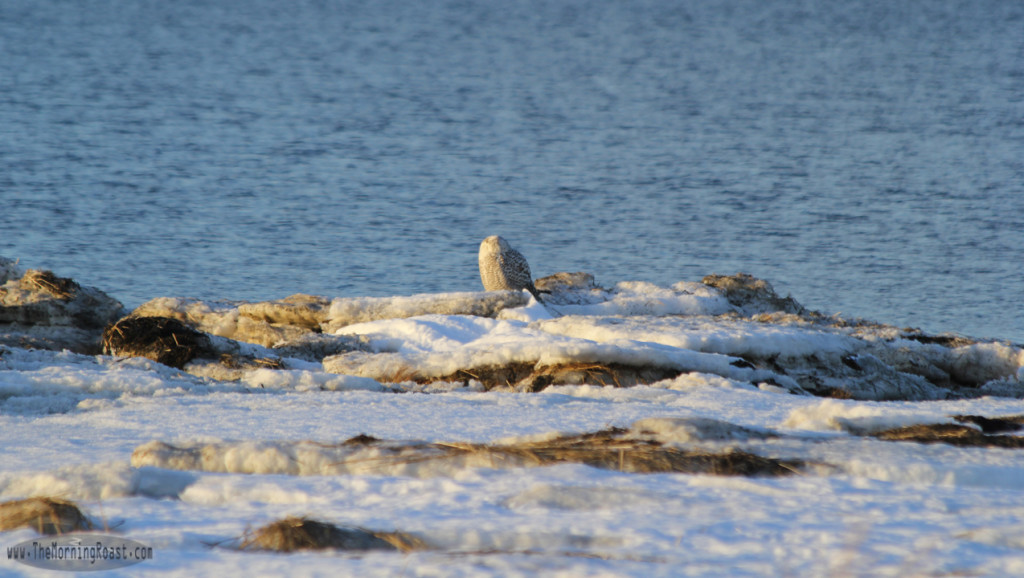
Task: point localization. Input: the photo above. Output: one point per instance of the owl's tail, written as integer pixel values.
(536, 292)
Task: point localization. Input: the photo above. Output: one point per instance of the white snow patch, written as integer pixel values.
(78, 482)
(580, 498)
(689, 430)
(982, 362)
(728, 337)
(532, 311)
(641, 298)
(353, 310)
(234, 460)
(45, 373)
(933, 473)
(301, 380)
(307, 458)
(859, 417)
(435, 346)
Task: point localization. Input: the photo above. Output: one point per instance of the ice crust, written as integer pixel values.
(276, 421)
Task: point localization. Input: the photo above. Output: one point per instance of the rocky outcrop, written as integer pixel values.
(39, 309)
(752, 295)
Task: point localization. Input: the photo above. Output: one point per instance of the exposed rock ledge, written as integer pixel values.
(224, 340)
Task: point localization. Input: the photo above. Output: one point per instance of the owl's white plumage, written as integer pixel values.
(504, 268)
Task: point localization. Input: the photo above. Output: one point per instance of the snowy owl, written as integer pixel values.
(502, 267)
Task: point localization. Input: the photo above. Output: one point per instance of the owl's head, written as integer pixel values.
(493, 245)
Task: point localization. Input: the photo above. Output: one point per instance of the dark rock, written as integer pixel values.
(992, 425)
(951, 434)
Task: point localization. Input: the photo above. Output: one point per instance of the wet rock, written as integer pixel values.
(862, 377)
(916, 361)
(564, 281)
(571, 289)
(752, 295)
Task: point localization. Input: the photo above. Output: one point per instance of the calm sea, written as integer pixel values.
(865, 156)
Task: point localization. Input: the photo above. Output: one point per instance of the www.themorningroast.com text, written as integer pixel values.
(79, 552)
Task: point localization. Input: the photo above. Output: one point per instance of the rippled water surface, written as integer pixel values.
(867, 157)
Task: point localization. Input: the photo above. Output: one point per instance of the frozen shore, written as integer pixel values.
(713, 427)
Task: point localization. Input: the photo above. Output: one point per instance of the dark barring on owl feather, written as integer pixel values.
(504, 268)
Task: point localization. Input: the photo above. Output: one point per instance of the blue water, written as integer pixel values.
(865, 156)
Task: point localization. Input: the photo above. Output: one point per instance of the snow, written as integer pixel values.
(640, 298)
(736, 338)
(182, 459)
(299, 380)
(437, 346)
(857, 418)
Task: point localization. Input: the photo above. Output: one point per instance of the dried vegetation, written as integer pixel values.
(531, 377)
(615, 449)
(44, 515)
(162, 339)
(983, 432)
